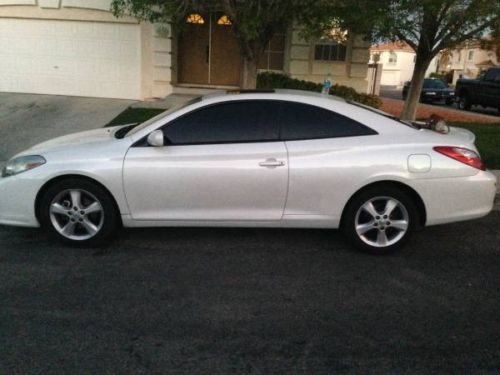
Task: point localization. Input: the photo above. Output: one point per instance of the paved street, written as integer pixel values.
(251, 301)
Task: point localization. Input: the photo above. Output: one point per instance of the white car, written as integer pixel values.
(256, 159)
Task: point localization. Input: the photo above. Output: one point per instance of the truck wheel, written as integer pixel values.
(464, 102)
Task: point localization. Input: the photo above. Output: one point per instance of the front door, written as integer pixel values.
(194, 53)
(222, 162)
(208, 51)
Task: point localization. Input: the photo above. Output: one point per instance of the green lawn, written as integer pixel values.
(487, 135)
(487, 141)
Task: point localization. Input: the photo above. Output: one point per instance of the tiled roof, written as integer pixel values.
(486, 63)
(396, 46)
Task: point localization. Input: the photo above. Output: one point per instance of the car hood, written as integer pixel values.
(75, 139)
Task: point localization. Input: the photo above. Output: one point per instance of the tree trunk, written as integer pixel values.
(248, 79)
(417, 81)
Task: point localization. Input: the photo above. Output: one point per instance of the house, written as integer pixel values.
(469, 60)
(78, 47)
(398, 62)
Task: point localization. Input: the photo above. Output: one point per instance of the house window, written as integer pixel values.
(273, 56)
(330, 52)
(470, 56)
(195, 18)
(393, 58)
(224, 20)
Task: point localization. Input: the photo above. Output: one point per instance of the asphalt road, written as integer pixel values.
(251, 301)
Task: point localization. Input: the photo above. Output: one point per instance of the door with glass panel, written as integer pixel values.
(208, 51)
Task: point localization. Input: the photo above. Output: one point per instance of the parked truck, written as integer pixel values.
(484, 91)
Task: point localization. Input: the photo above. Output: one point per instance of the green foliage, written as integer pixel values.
(270, 80)
(254, 22)
(433, 25)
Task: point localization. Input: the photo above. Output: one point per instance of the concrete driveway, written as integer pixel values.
(27, 119)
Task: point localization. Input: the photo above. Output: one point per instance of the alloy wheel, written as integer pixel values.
(76, 214)
(382, 221)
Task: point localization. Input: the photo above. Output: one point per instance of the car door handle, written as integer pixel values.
(272, 163)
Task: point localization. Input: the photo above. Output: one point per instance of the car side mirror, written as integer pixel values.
(156, 139)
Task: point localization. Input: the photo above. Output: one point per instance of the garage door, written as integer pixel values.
(70, 58)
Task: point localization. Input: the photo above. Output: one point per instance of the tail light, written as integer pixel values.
(462, 155)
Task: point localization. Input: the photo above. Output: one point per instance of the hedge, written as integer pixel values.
(269, 80)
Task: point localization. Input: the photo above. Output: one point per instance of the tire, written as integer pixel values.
(78, 212)
(464, 102)
(379, 232)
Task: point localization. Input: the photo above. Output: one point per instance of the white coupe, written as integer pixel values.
(273, 158)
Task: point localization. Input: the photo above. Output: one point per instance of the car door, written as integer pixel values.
(490, 88)
(221, 162)
(320, 144)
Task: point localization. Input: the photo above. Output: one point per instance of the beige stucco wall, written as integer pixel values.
(156, 41)
(300, 63)
(461, 64)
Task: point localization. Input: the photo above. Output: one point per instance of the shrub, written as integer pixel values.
(270, 80)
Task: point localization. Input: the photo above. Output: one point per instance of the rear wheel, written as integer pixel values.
(78, 212)
(464, 102)
(380, 220)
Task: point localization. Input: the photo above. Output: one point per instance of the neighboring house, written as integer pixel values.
(468, 61)
(398, 61)
(77, 47)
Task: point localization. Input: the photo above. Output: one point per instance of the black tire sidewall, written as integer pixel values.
(348, 223)
(464, 103)
(110, 212)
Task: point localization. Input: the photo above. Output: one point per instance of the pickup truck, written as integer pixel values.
(484, 91)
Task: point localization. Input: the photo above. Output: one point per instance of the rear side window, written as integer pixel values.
(229, 122)
(304, 121)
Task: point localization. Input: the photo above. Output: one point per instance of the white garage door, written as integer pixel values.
(70, 58)
(390, 78)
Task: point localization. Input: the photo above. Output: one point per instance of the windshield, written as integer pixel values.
(382, 113)
(434, 84)
(161, 115)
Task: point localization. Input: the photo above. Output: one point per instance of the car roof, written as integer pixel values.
(269, 93)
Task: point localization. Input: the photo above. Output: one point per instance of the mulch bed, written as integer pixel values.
(395, 107)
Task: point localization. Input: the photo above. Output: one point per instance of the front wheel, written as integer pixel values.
(380, 220)
(78, 212)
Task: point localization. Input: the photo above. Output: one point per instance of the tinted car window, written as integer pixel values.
(230, 122)
(434, 84)
(492, 75)
(303, 121)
